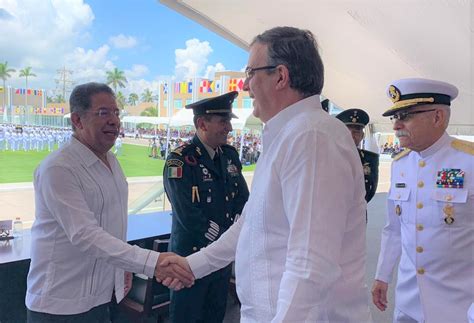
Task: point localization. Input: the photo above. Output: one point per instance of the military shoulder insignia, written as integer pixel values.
(463, 145)
(180, 149)
(402, 154)
(174, 168)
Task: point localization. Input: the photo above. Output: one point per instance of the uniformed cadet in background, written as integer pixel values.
(356, 120)
(204, 183)
(430, 220)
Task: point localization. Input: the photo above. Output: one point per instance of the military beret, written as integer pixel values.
(221, 104)
(410, 92)
(356, 117)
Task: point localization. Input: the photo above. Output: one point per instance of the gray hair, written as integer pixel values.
(80, 99)
(298, 51)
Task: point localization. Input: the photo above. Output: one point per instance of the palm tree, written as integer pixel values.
(132, 98)
(26, 72)
(147, 96)
(149, 112)
(116, 78)
(4, 75)
(121, 100)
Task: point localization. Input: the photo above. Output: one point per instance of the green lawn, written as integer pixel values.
(16, 167)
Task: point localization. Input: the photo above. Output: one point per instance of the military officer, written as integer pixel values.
(430, 220)
(356, 120)
(204, 183)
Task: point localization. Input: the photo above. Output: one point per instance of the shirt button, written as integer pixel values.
(195, 249)
(419, 249)
(421, 184)
(227, 198)
(420, 227)
(236, 184)
(209, 190)
(227, 215)
(422, 163)
(448, 197)
(419, 205)
(420, 271)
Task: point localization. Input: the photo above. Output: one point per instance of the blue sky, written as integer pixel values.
(144, 38)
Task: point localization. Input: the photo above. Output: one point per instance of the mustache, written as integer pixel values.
(401, 133)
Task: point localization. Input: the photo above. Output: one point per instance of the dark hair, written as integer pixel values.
(80, 99)
(298, 51)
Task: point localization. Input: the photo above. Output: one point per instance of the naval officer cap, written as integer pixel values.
(411, 92)
(221, 105)
(354, 117)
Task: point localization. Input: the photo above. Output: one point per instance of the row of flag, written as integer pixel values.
(29, 92)
(60, 111)
(205, 86)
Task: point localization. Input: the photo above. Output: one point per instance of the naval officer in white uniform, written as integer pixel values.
(430, 218)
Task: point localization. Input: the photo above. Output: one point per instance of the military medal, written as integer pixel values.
(398, 210)
(449, 212)
(450, 178)
(366, 169)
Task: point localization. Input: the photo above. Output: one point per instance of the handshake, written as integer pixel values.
(173, 271)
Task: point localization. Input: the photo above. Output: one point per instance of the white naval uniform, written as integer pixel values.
(436, 269)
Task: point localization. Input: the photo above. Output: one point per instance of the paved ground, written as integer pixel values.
(18, 200)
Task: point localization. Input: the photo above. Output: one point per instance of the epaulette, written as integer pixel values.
(180, 149)
(401, 154)
(463, 145)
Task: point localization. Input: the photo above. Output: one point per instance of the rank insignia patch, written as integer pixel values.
(174, 163)
(450, 178)
(232, 169)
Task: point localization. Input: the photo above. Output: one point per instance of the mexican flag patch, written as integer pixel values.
(175, 172)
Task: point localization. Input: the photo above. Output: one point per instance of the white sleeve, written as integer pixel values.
(317, 218)
(391, 248)
(62, 194)
(218, 254)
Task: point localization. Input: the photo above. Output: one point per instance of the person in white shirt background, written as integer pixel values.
(78, 253)
(299, 246)
(430, 210)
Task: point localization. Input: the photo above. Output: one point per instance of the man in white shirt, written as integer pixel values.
(78, 251)
(299, 247)
(430, 210)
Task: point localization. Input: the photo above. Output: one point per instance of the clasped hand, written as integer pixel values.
(173, 271)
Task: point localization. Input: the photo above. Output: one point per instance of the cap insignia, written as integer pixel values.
(394, 93)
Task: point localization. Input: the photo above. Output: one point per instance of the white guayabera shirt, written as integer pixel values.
(299, 246)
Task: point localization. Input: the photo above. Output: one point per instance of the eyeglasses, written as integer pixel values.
(250, 71)
(404, 116)
(106, 113)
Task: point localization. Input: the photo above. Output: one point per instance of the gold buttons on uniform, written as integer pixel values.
(420, 271)
(419, 249)
(419, 205)
(421, 163)
(421, 184)
(419, 227)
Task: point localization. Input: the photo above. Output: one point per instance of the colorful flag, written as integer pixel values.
(165, 88)
(203, 88)
(190, 87)
(210, 89)
(177, 87)
(184, 88)
(233, 85)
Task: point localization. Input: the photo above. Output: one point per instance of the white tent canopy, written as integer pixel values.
(364, 44)
(246, 120)
(150, 120)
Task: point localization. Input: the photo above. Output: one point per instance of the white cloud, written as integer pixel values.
(40, 34)
(191, 61)
(138, 86)
(123, 41)
(212, 69)
(137, 71)
(89, 65)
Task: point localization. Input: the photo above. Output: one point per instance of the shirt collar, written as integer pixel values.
(84, 152)
(208, 148)
(436, 146)
(274, 125)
